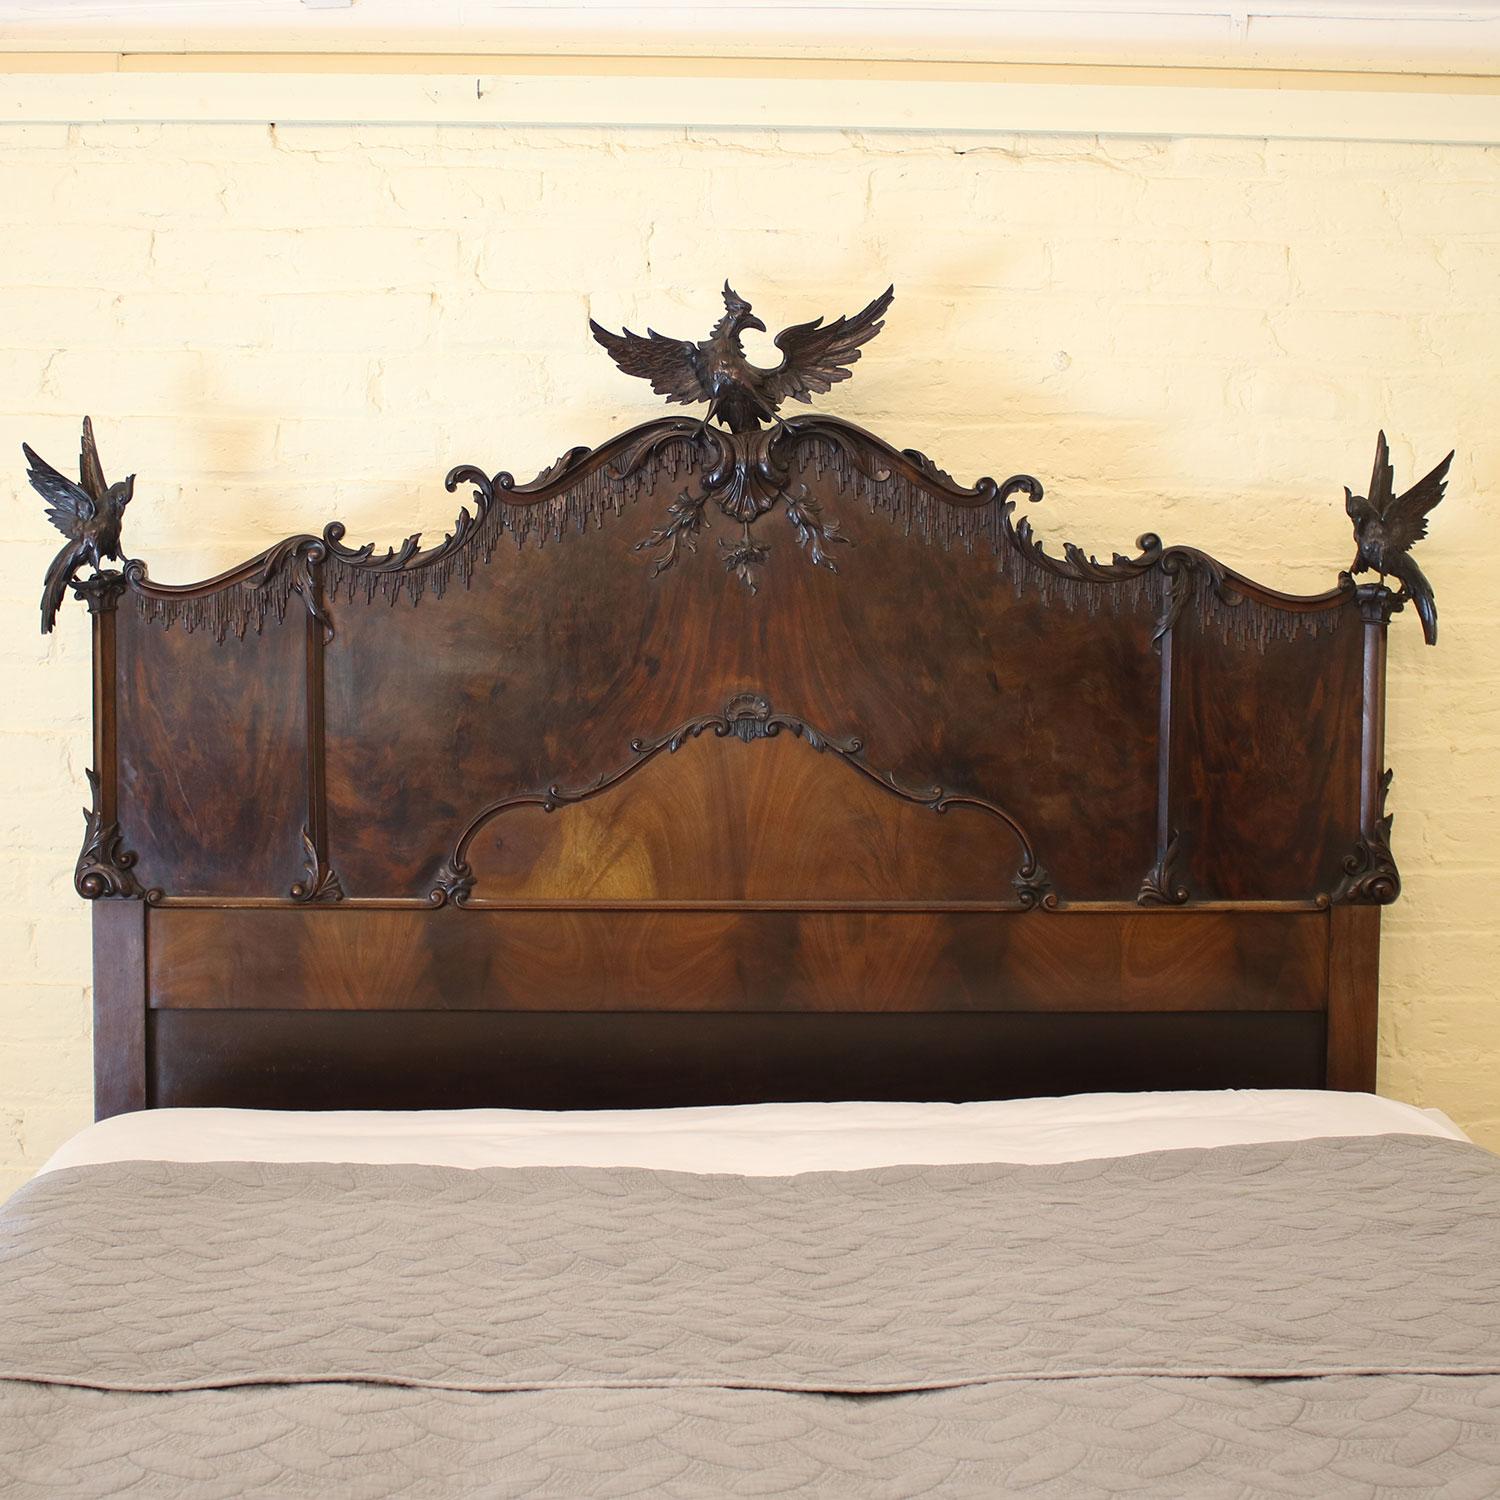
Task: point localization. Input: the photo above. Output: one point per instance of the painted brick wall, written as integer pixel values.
(275, 327)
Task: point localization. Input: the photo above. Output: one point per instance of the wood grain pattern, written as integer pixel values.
(1353, 997)
(1265, 761)
(120, 968)
(212, 756)
(735, 960)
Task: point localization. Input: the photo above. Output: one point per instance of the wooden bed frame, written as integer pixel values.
(565, 811)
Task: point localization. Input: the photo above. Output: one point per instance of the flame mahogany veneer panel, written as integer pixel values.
(772, 820)
(557, 658)
(736, 960)
(1266, 760)
(212, 755)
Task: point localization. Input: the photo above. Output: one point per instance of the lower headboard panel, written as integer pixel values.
(418, 1009)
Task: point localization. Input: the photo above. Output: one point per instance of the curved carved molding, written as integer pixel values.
(105, 866)
(747, 716)
(1370, 875)
(1162, 886)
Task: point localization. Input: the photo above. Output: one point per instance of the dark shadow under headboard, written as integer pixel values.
(716, 766)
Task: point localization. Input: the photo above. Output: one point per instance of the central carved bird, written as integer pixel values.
(1386, 528)
(715, 370)
(87, 513)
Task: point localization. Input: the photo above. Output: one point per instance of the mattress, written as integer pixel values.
(1247, 1295)
(755, 1139)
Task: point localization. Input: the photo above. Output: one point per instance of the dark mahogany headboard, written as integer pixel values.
(617, 797)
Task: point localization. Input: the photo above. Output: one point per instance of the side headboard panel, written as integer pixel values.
(629, 792)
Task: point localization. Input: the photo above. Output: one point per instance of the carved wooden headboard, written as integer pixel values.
(630, 792)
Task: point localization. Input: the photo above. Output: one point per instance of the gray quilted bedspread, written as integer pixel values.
(1309, 1319)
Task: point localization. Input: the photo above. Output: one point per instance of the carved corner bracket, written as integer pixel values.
(320, 881)
(1162, 885)
(99, 591)
(105, 866)
(1376, 602)
(1370, 875)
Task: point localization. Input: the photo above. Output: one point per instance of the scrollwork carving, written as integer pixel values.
(321, 881)
(744, 459)
(1162, 886)
(1370, 875)
(747, 717)
(105, 866)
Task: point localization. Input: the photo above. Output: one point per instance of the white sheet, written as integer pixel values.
(754, 1139)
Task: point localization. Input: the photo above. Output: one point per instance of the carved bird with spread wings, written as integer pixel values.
(87, 513)
(1387, 527)
(715, 370)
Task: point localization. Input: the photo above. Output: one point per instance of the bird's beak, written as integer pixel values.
(755, 323)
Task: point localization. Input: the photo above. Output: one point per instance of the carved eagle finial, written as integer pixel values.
(87, 513)
(740, 395)
(1388, 526)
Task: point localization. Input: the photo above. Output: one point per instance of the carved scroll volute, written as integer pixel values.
(1163, 885)
(1370, 876)
(105, 866)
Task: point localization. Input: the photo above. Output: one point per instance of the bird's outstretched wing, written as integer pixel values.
(1405, 518)
(671, 365)
(814, 357)
(68, 504)
(1382, 476)
(90, 470)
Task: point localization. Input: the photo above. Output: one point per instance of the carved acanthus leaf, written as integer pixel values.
(1034, 887)
(454, 882)
(1370, 875)
(321, 881)
(1162, 887)
(105, 866)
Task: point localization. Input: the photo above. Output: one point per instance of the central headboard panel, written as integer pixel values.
(630, 792)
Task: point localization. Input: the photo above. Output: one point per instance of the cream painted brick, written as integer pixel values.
(297, 193)
(170, 319)
(99, 192)
(565, 257)
(236, 261)
(279, 326)
(45, 254)
(27, 143)
(120, 382)
(162, 449)
(61, 317)
(1170, 269)
(385, 321)
(1361, 274)
(443, 194)
(466, 319)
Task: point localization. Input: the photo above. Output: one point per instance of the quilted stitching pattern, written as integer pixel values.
(662, 1333)
(1339, 1438)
